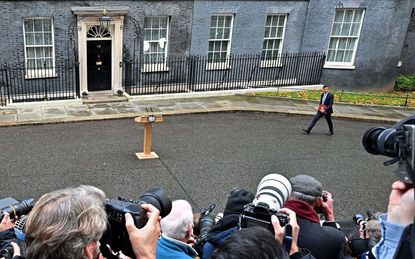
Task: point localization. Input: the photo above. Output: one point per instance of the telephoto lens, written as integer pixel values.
(16, 210)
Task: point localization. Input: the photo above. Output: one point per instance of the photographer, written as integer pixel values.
(8, 239)
(258, 242)
(177, 232)
(397, 225)
(228, 224)
(69, 223)
(324, 241)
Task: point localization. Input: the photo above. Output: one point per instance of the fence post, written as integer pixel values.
(341, 95)
(191, 63)
(406, 100)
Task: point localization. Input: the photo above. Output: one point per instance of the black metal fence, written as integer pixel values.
(173, 75)
(21, 84)
(197, 73)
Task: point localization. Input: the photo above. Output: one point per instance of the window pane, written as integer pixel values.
(330, 55)
(348, 56)
(212, 33)
(227, 33)
(47, 25)
(211, 45)
(220, 34)
(269, 18)
(339, 16)
(38, 25)
(228, 21)
(30, 39)
(267, 32)
(213, 21)
(39, 53)
(48, 38)
(30, 52)
(31, 64)
(349, 16)
(147, 35)
(163, 33)
(221, 21)
(154, 35)
(224, 46)
(333, 43)
(346, 29)
(351, 43)
(217, 46)
(342, 43)
(274, 21)
(336, 29)
(358, 16)
(339, 56)
(39, 39)
(48, 52)
(281, 21)
(147, 22)
(163, 22)
(28, 25)
(355, 29)
(279, 31)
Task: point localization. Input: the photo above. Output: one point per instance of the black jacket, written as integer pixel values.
(324, 242)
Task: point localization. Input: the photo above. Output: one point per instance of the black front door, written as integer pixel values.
(99, 65)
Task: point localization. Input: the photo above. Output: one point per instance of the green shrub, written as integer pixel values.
(405, 83)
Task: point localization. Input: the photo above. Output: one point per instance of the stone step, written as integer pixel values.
(104, 99)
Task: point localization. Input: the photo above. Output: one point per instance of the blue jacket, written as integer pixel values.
(169, 248)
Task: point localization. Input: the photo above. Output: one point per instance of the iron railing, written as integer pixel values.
(21, 84)
(198, 73)
(173, 75)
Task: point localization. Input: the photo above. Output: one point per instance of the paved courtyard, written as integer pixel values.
(202, 157)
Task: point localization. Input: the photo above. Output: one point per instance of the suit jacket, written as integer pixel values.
(328, 102)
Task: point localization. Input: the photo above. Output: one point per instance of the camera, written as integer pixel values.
(14, 207)
(359, 219)
(116, 235)
(272, 192)
(397, 142)
(206, 222)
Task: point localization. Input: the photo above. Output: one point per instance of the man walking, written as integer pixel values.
(324, 109)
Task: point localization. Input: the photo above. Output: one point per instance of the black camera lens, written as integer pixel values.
(381, 141)
(18, 209)
(358, 218)
(158, 198)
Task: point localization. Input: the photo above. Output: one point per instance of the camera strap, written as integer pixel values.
(288, 237)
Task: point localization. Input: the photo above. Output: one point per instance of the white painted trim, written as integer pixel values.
(339, 66)
(116, 31)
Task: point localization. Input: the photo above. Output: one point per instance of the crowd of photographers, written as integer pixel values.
(286, 218)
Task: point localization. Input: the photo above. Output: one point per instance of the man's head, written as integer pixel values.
(250, 243)
(178, 224)
(326, 89)
(306, 188)
(67, 223)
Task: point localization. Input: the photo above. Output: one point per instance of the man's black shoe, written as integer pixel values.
(306, 131)
(329, 133)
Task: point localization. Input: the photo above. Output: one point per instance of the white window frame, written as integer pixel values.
(39, 72)
(344, 65)
(275, 61)
(226, 64)
(156, 67)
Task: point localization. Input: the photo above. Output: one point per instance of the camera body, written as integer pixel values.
(397, 142)
(359, 219)
(116, 235)
(260, 215)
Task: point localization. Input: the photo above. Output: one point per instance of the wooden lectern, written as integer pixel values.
(148, 122)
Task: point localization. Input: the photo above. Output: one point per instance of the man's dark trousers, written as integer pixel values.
(318, 116)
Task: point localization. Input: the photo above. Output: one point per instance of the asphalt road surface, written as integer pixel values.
(202, 157)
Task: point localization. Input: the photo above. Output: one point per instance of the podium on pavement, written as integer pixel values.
(148, 121)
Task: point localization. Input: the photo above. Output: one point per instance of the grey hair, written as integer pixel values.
(304, 197)
(177, 223)
(63, 222)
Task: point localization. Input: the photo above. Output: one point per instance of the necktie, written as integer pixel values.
(324, 98)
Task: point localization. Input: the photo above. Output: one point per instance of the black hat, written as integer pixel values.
(237, 199)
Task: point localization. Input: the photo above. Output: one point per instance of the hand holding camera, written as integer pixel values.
(280, 232)
(144, 240)
(326, 206)
(401, 208)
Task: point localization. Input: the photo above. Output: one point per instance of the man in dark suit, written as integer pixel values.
(325, 109)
